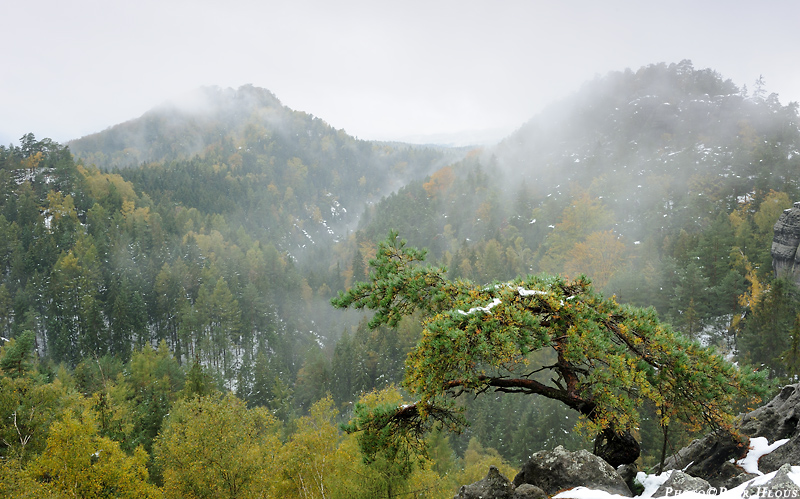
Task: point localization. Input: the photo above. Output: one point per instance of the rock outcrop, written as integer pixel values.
(679, 482)
(714, 457)
(785, 242)
(779, 486)
(707, 464)
(776, 421)
(560, 469)
(496, 486)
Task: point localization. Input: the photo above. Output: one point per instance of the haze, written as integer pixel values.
(447, 71)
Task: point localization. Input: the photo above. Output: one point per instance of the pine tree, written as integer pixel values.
(17, 354)
(608, 358)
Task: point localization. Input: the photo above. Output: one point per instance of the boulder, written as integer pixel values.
(559, 469)
(785, 242)
(778, 486)
(496, 486)
(713, 457)
(528, 491)
(628, 473)
(679, 482)
(735, 481)
(776, 420)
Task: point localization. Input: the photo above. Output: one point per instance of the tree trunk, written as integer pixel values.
(664, 448)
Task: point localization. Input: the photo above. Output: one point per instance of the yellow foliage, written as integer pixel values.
(768, 213)
(599, 256)
(477, 460)
(32, 161)
(99, 184)
(79, 463)
(584, 216)
(61, 206)
(214, 447)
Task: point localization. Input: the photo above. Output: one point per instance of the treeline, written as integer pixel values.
(95, 273)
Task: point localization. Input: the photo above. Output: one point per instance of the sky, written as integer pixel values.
(417, 71)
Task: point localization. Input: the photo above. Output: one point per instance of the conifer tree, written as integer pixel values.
(16, 355)
(607, 358)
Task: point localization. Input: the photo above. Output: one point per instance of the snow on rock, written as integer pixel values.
(651, 483)
(584, 493)
(759, 446)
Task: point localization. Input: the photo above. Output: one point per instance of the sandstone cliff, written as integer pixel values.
(785, 257)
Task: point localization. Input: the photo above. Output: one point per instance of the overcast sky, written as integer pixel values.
(380, 70)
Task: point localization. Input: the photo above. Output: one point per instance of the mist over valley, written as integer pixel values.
(203, 242)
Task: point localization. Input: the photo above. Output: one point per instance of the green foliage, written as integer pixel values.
(28, 407)
(661, 184)
(609, 358)
(153, 380)
(16, 355)
(768, 335)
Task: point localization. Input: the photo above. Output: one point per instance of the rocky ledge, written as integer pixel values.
(766, 463)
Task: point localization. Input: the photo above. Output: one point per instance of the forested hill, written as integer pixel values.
(226, 242)
(653, 140)
(279, 173)
(662, 184)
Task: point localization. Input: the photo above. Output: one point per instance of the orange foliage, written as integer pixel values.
(440, 181)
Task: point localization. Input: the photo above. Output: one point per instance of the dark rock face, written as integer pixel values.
(559, 469)
(712, 457)
(785, 242)
(775, 421)
(618, 449)
(679, 482)
(496, 486)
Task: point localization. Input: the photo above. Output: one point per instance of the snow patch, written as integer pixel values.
(651, 483)
(759, 446)
(486, 309)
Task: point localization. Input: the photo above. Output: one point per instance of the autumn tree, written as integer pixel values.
(585, 215)
(79, 463)
(214, 446)
(603, 359)
(600, 256)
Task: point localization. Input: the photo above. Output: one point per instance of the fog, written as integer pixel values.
(445, 71)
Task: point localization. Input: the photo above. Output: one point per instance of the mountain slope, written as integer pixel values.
(241, 153)
(649, 181)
